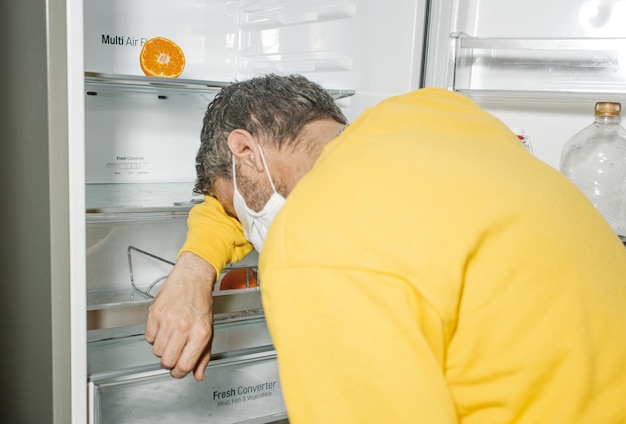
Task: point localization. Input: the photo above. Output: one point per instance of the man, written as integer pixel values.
(424, 267)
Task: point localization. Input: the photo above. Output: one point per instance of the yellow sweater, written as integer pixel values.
(429, 270)
(215, 236)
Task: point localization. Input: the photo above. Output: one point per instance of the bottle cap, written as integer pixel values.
(519, 132)
(608, 109)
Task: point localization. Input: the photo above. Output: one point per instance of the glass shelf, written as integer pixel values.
(122, 310)
(104, 198)
(96, 83)
(538, 70)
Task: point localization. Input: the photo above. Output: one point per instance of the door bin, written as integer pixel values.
(238, 389)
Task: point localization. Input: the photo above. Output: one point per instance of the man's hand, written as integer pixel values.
(180, 319)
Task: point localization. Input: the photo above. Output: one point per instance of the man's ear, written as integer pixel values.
(245, 148)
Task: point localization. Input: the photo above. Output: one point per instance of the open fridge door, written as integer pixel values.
(538, 66)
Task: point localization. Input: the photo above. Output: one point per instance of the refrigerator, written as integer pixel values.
(141, 138)
(98, 162)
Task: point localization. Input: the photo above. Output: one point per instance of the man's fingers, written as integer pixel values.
(156, 326)
(198, 372)
(197, 350)
(172, 351)
(152, 327)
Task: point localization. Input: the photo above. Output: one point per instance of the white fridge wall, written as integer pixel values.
(338, 43)
(362, 45)
(141, 138)
(115, 31)
(537, 18)
(549, 125)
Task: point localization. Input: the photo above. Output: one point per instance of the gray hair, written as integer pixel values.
(272, 108)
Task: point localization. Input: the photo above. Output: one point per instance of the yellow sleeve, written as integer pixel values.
(215, 236)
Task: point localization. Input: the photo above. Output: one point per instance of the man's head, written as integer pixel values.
(272, 109)
(258, 139)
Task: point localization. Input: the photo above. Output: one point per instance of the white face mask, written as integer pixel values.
(255, 224)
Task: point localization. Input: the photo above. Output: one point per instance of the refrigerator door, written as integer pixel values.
(539, 66)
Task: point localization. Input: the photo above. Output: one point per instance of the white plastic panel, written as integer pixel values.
(548, 123)
(141, 137)
(115, 31)
(555, 18)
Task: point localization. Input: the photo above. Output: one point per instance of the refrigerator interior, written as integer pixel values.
(538, 66)
(141, 138)
(142, 133)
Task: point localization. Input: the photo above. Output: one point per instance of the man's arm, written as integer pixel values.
(180, 319)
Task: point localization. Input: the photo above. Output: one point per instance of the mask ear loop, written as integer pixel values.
(267, 170)
(234, 173)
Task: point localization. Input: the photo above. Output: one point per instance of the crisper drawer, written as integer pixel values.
(238, 389)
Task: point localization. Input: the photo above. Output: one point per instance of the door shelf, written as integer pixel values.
(538, 70)
(100, 83)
